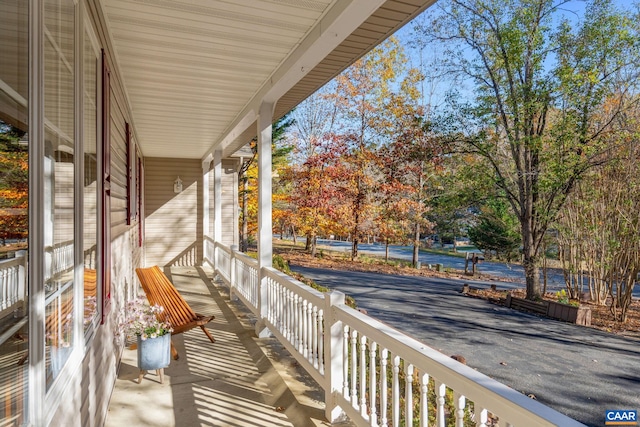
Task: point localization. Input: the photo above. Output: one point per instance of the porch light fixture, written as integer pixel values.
(177, 186)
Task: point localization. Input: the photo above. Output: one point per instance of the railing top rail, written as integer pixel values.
(246, 258)
(12, 262)
(297, 286)
(222, 246)
(479, 388)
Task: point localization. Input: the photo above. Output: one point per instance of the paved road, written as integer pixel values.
(512, 272)
(578, 371)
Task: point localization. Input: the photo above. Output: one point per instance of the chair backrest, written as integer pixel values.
(161, 291)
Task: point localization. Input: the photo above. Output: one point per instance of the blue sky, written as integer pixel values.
(436, 85)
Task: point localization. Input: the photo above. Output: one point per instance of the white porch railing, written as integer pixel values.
(13, 284)
(371, 372)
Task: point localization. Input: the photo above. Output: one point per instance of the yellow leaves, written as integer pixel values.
(15, 196)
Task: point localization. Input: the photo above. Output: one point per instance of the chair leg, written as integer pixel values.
(208, 334)
(160, 373)
(140, 375)
(174, 351)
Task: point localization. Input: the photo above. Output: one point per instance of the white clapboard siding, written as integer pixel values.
(173, 222)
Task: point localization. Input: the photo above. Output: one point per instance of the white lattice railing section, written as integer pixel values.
(13, 283)
(371, 372)
(245, 280)
(295, 312)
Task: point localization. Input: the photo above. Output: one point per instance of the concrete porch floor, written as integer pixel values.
(237, 381)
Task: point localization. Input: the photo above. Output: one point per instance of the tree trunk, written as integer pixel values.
(313, 241)
(416, 246)
(356, 237)
(295, 236)
(354, 248)
(386, 251)
(307, 245)
(532, 274)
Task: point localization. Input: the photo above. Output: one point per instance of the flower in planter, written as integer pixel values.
(562, 297)
(140, 319)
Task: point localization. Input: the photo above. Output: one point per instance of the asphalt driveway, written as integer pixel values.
(576, 370)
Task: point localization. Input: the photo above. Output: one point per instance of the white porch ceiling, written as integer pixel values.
(195, 70)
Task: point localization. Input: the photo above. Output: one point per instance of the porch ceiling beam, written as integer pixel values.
(343, 19)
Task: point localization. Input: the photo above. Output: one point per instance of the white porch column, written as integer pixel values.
(265, 232)
(206, 206)
(217, 196)
(333, 357)
(217, 202)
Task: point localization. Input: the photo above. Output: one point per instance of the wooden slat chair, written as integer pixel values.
(177, 312)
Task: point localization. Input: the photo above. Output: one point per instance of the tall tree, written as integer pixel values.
(538, 94)
(496, 230)
(599, 228)
(311, 135)
(412, 160)
(314, 193)
(362, 94)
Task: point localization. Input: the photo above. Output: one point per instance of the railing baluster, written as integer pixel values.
(345, 364)
(482, 418)
(363, 376)
(460, 403)
(309, 333)
(354, 369)
(282, 309)
(268, 284)
(395, 392)
(305, 329)
(384, 410)
(296, 323)
(373, 416)
(424, 400)
(314, 336)
(321, 342)
(408, 394)
(441, 390)
(290, 326)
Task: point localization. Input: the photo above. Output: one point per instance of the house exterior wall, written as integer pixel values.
(173, 221)
(230, 208)
(229, 201)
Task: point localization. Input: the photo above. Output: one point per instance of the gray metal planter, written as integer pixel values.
(154, 353)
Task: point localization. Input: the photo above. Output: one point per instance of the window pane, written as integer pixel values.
(59, 184)
(13, 210)
(90, 102)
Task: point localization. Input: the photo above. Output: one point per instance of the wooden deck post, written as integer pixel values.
(333, 356)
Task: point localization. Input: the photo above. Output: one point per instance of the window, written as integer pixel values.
(14, 187)
(59, 95)
(91, 103)
(105, 190)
